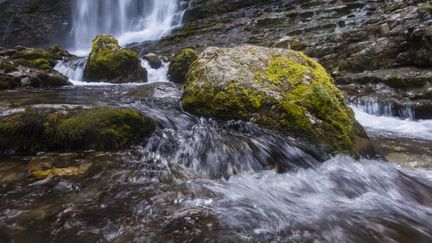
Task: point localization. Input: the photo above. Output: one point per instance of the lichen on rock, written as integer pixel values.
(278, 88)
(179, 65)
(108, 62)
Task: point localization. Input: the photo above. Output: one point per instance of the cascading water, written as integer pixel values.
(128, 20)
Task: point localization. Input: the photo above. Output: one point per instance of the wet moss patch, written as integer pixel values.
(101, 128)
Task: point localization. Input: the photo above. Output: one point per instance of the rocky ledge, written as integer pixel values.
(27, 67)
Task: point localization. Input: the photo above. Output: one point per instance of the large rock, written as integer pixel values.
(35, 23)
(27, 67)
(108, 62)
(179, 65)
(280, 89)
(100, 128)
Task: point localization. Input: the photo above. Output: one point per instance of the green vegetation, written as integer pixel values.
(394, 7)
(180, 64)
(426, 6)
(101, 128)
(109, 62)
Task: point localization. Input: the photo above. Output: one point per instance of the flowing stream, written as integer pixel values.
(197, 179)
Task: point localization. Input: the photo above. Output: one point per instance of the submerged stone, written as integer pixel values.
(108, 62)
(99, 128)
(179, 65)
(277, 88)
(154, 61)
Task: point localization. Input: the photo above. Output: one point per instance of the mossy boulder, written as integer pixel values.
(47, 130)
(278, 88)
(108, 62)
(179, 65)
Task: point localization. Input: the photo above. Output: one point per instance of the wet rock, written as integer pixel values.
(289, 42)
(56, 164)
(158, 91)
(403, 92)
(188, 224)
(154, 60)
(179, 65)
(108, 62)
(99, 128)
(26, 67)
(35, 23)
(278, 88)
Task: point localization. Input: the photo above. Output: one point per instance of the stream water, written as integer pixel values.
(198, 179)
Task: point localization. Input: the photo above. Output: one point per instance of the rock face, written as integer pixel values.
(25, 67)
(108, 62)
(102, 128)
(179, 65)
(34, 23)
(367, 35)
(277, 88)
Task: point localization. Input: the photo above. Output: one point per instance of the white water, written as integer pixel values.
(393, 126)
(342, 201)
(376, 107)
(74, 71)
(128, 20)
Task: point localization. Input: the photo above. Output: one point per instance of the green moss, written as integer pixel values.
(311, 105)
(45, 80)
(394, 7)
(36, 56)
(179, 65)
(426, 6)
(7, 66)
(36, 63)
(103, 128)
(108, 61)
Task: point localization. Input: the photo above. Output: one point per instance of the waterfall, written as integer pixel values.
(128, 20)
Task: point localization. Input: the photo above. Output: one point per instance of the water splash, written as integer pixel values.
(382, 108)
(394, 126)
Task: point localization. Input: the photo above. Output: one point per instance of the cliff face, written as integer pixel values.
(34, 23)
(372, 48)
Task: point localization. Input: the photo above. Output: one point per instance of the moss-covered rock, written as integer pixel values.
(108, 62)
(27, 67)
(278, 88)
(179, 65)
(100, 128)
